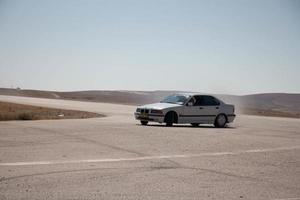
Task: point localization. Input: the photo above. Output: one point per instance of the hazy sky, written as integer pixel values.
(236, 47)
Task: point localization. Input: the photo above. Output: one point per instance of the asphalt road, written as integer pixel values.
(116, 158)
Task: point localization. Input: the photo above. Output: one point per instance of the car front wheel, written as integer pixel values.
(170, 118)
(220, 121)
(144, 123)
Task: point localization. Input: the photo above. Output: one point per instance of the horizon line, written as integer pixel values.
(158, 90)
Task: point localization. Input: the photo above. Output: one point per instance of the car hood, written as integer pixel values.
(159, 106)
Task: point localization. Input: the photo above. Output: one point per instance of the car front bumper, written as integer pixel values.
(149, 117)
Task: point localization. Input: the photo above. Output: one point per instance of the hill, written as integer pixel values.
(268, 104)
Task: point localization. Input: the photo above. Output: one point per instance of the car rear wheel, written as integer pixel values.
(195, 124)
(220, 121)
(144, 123)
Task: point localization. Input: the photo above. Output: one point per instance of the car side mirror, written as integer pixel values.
(190, 104)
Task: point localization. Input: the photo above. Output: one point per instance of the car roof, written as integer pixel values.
(188, 94)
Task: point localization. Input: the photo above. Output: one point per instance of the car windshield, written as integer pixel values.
(176, 99)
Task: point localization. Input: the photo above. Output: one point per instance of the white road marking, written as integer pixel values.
(150, 157)
(289, 199)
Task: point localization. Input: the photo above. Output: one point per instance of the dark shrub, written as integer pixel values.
(25, 116)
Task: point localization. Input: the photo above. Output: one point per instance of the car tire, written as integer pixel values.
(195, 124)
(220, 121)
(169, 124)
(170, 118)
(144, 123)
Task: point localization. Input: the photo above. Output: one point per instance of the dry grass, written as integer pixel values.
(12, 111)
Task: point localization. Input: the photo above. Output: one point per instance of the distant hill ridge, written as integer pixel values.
(269, 104)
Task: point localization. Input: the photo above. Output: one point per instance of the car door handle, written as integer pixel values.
(201, 108)
(217, 107)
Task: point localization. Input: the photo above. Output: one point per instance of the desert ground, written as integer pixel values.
(114, 157)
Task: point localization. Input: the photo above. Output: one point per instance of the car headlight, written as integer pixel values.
(157, 111)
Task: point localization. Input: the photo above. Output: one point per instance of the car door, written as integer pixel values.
(193, 111)
(210, 108)
(204, 110)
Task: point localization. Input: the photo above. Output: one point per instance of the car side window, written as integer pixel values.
(192, 100)
(208, 101)
(198, 100)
